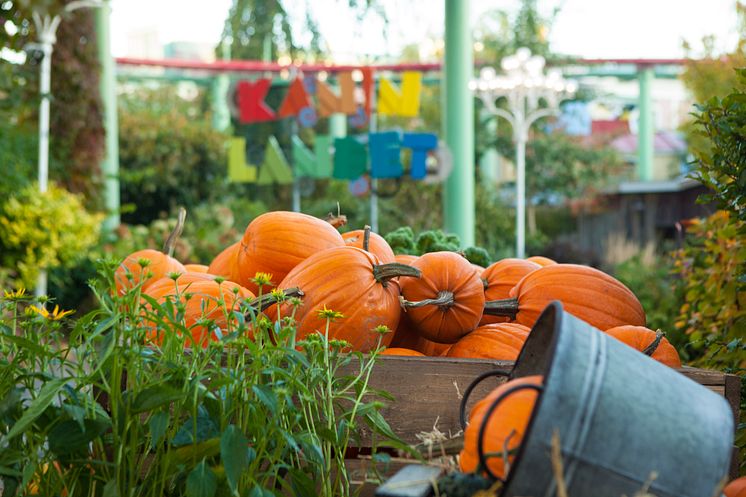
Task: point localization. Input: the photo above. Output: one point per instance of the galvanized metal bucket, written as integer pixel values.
(624, 420)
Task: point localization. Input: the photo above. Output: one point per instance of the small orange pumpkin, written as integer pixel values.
(375, 243)
(407, 337)
(402, 352)
(649, 342)
(225, 264)
(500, 278)
(505, 427)
(130, 272)
(276, 242)
(204, 303)
(353, 282)
(541, 260)
(585, 292)
(736, 488)
(499, 341)
(447, 301)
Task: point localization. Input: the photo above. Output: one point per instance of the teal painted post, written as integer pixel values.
(221, 117)
(645, 126)
(110, 165)
(458, 118)
(338, 125)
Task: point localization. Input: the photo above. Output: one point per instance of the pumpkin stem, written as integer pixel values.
(337, 221)
(366, 238)
(265, 301)
(168, 247)
(384, 272)
(444, 301)
(650, 349)
(485, 283)
(501, 307)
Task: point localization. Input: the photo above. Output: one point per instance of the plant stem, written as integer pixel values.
(366, 238)
(384, 272)
(444, 301)
(650, 349)
(168, 247)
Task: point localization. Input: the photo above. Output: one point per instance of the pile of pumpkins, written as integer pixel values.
(437, 304)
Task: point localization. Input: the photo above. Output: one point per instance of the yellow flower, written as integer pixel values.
(55, 315)
(329, 314)
(17, 295)
(262, 279)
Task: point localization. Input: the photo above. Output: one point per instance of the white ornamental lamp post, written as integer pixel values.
(46, 31)
(530, 95)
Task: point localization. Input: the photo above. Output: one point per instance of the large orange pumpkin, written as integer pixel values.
(648, 341)
(351, 281)
(505, 427)
(541, 260)
(736, 488)
(196, 268)
(500, 278)
(405, 258)
(203, 303)
(130, 273)
(276, 242)
(447, 301)
(225, 264)
(407, 337)
(585, 292)
(499, 341)
(402, 352)
(376, 244)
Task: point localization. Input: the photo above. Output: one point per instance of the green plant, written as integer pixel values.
(108, 412)
(45, 230)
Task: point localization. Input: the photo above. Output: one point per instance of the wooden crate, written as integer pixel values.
(428, 392)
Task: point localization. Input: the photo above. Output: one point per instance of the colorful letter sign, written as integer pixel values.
(251, 105)
(329, 103)
(405, 103)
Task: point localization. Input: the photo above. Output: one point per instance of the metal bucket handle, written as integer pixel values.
(488, 414)
(470, 388)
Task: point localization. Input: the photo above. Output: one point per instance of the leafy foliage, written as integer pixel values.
(403, 241)
(162, 166)
(110, 412)
(722, 165)
(45, 230)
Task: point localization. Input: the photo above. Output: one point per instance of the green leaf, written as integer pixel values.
(111, 489)
(201, 481)
(266, 396)
(234, 453)
(158, 424)
(155, 397)
(37, 406)
(258, 491)
(183, 455)
(68, 437)
(203, 426)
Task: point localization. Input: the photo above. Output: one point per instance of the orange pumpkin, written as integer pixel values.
(130, 273)
(447, 301)
(500, 341)
(736, 488)
(225, 264)
(405, 258)
(196, 268)
(649, 342)
(500, 278)
(276, 242)
(376, 244)
(402, 352)
(587, 293)
(541, 260)
(351, 281)
(203, 304)
(407, 337)
(505, 427)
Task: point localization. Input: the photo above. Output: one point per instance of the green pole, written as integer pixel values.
(645, 126)
(110, 165)
(221, 117)
(458, 118)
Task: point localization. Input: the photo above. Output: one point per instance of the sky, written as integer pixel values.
(586, 28)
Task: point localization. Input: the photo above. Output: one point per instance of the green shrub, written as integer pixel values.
(45, 230)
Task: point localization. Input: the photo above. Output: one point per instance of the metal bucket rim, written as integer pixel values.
(552, 311)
